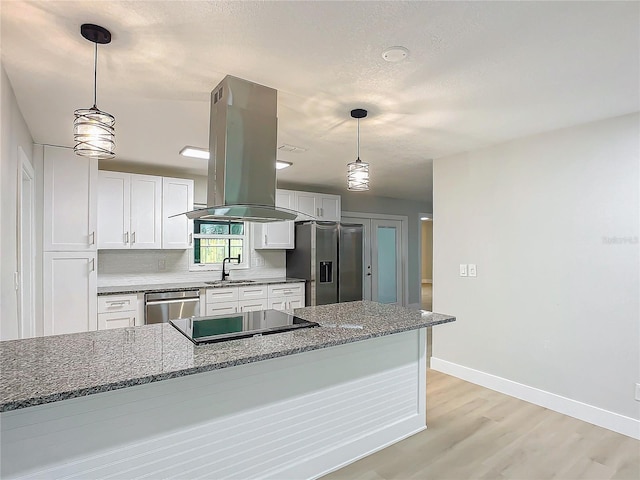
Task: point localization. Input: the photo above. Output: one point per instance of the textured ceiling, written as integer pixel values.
(478, 73)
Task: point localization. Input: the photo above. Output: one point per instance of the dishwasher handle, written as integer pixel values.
(178, 300)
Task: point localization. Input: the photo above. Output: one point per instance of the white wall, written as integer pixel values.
(14, 133)
(552, 222)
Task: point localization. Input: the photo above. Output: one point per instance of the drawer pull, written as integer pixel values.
(117, 304)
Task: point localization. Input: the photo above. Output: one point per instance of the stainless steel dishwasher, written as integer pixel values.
(164, 306)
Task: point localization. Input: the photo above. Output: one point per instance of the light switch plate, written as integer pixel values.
(638, 392)
(463, 269)
(471, 269)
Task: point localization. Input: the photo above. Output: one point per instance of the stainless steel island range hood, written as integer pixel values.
(242, 154)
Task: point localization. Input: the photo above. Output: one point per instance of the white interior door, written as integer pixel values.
(386, 261)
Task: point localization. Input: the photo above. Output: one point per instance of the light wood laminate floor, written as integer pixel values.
(476, 433)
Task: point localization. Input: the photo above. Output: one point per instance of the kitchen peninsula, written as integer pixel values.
(145, 401)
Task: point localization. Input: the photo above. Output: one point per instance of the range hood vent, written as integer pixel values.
(242, 154)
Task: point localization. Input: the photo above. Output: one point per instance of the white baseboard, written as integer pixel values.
(427, 280)
(597, 416)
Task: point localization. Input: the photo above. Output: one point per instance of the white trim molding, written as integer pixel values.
(588, 413)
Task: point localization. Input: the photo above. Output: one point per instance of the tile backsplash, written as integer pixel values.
(128, 267)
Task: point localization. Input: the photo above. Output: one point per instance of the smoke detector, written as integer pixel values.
(395, 54)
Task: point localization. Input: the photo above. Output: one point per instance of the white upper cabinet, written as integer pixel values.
(306, 203)
(318, 206)
(146, 211)
(113, 209)
(276, 235)
(70, 183)
(177, 197)
(129, 211)
(330, 208)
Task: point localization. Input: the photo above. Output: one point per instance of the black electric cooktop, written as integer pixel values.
(219, 328)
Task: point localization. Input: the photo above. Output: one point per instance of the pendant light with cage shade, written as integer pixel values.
(358, 171)
(93, 129)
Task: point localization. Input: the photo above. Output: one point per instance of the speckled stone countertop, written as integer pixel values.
(179, 286)
(48, 369)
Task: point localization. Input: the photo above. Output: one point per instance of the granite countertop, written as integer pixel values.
(42, 370)
(179, 286)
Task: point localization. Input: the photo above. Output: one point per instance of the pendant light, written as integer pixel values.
(358, 171)
(93, 129)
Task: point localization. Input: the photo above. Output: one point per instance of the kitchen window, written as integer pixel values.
(215, 240)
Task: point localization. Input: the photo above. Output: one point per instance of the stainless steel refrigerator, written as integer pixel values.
(328, 255)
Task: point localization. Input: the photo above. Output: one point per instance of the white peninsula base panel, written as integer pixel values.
(298, 416)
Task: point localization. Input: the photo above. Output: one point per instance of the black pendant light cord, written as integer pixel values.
(95, 75)
(358, 159)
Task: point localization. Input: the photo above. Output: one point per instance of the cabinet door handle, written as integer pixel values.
(92, 238)
(133, 238)
(92, 265)
(322, 212)
(117, 304)
(126, 237)
(191, 239)
(265, 240)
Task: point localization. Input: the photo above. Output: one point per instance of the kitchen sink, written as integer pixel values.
(230, 282)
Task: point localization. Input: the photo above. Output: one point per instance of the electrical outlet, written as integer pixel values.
(161, 264)
(638, 392)
(472, 269)
(463, 269)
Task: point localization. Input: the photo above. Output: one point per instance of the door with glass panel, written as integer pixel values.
(386, 261)
(381, 259)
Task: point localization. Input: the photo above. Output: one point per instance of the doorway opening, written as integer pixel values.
(26, 246)
(426, 272)
(426, 264)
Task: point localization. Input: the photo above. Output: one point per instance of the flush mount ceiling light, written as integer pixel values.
(203, 153)
(280, 164)
(395, 54)
(93, 130)
(358, 171)
(195, 152)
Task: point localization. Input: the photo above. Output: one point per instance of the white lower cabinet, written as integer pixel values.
(107, 321)
(118, 311)
(277, 296)
(253, 305)
(221, 308)
(285, 303)
(70, 292)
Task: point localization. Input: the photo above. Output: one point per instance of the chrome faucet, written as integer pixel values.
(225, 275)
